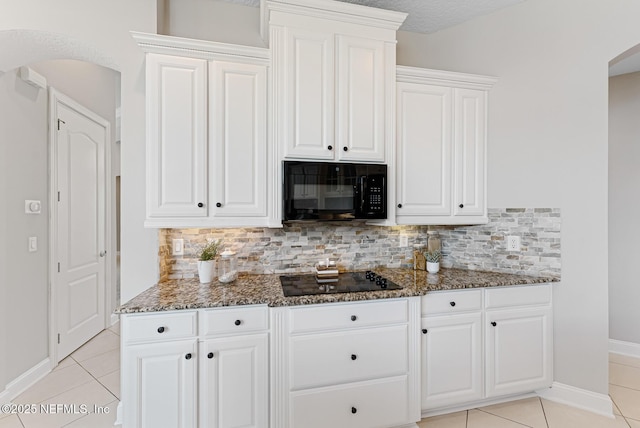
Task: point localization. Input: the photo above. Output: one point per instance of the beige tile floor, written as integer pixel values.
(91, 375)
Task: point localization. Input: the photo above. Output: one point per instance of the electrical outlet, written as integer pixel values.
(513, 243)
(178, 247)
(404, 241)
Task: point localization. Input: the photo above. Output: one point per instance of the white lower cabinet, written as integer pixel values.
(346, 365)
(206, 368)
(485, 343)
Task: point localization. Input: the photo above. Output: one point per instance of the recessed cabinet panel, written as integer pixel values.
(177, 130)
(238, 136)
(519, 353)
(452, 351)
(309, 80)
(361, 98)
(424, 149)
(469, 149)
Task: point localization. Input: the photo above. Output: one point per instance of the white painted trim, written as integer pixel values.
(202, 49)
(475, 404)
(113, 320)
(34, 79)
(25, 381)
(590, 401)
(444, 78)
(118, 414)
(624, 348)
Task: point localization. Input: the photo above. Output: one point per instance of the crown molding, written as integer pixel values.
(447, 78)
(203, 49)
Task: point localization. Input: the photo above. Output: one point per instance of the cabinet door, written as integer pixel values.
(361, 99)
(451, 360)
(424, 149)
(238, 104)
(519, 350)
(469, 152)
(160, 385)
(234, 389)
(308, 108)
(176, 136)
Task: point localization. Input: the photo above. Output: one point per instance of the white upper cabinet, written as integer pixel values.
(441, 147)
(209, 158)
(238, 134)
(334, 79)
(177, 131)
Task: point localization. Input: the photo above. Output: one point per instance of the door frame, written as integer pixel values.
(56, 96)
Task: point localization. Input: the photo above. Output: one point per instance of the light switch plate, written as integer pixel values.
(177, 247)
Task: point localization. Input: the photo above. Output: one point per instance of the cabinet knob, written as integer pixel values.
(461, 205)
(188, 356)
(218, 204)
(210, 355)
(452, 303)
(493, 323)
(330, 147)
(161, 329)
(354, 357)
(353, 317)
(200, 205)
(354, 410)
(346, 149)
(424, 331)
(238, 322)
(399, 205)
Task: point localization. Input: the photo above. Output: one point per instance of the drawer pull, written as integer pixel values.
(210, 355)
(493, 323)
(354, 357)
(161, 329)
(424, 331)
(353, 317)
(354, 410)
(238, 322)
(452, 303)
(188, 356)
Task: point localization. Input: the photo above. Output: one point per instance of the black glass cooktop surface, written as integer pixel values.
(348, 282)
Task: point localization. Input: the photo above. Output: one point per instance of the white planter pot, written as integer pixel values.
(206, 270)
(433, 267)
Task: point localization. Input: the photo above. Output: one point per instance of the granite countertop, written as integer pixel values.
(251, 289)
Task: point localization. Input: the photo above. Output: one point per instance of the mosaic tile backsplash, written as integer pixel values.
(355, 245)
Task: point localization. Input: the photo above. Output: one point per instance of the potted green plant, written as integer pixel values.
(207, 260)
(433, 260)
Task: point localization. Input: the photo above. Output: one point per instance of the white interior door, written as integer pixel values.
(80, 226)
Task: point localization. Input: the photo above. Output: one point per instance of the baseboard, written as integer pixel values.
(118, 414)
(474, 404)
(625, 348)
(114, 319)
(581, 398)
(24, 381)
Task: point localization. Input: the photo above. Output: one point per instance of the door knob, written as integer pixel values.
(103, 253)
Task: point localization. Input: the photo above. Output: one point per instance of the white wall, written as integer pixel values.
(624, 231)
(97, 31)
(548, 142)
(23, 110)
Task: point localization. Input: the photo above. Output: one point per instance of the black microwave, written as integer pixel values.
(334, 191)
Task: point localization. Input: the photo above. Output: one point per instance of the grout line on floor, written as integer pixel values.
(100, 383)
(546, 421)
(502, 417)
(20, 420)
(466, 423)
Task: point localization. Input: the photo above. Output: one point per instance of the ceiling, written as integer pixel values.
(427, 16)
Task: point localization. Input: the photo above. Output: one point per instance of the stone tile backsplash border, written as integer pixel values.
(355, 245)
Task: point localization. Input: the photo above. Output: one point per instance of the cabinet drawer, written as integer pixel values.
(382, 403)
(234, 320)
(351, 315)
(518, 296)
(342, 357)
(451, 302)
(159, 326)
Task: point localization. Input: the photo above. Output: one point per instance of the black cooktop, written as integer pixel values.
(348, 282)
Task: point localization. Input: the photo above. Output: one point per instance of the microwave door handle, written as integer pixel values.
(363, 192)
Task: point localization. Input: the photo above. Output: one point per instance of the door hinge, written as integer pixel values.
(58, 267)
(60, 120)
(58, 196)
(58, 338)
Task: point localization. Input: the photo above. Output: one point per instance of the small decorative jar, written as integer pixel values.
(419, 262)
(227, 266)
(433, 254)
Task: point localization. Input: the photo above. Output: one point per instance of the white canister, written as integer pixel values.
(227, 266)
